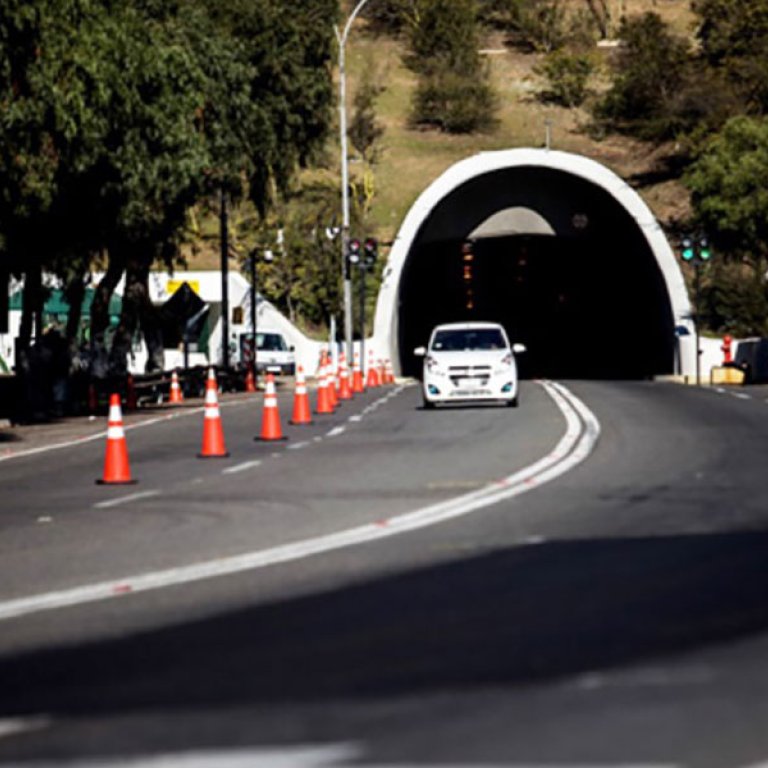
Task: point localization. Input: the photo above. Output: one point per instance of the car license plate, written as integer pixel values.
(469, 383)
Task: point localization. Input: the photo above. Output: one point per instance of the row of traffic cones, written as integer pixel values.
(116, 465)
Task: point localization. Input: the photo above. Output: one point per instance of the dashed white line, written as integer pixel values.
(246, 465)
(741, 395)
(336, 431)
(297, 446)
(126, 499)
(579, 439)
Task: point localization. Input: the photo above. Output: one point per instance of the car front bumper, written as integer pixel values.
(442, 389)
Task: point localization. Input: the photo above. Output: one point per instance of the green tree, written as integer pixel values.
(651, 70)
(728, 194)
(365, 130)
(567, 77)
(731, 205)
(454, 93)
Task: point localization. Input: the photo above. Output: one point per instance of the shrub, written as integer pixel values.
(567, 76)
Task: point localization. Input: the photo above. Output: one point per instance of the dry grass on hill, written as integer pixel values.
(412, 159)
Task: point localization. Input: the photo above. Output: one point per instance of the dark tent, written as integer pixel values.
(185, 310)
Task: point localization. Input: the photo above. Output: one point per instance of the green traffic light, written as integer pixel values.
(705, 253)
(687, 251)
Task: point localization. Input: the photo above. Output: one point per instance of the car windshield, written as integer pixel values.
(271, 342)
(459, 340)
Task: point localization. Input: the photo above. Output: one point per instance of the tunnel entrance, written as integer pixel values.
(553, 257)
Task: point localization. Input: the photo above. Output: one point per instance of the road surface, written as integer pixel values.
(398, 587)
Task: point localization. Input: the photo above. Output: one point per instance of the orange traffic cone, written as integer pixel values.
(373, 375)
(357, 376)
(270, 421)
(302, 413)
(390, 372)
(176, 395)
(213, 432)
(324, 405)
(116, 468)
(250, 381)
(345, 391)
(333, 393)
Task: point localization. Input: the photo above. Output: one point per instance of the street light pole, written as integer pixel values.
(224, 237)
(341, 37)
(254, 299)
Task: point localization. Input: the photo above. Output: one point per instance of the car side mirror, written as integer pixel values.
(420, 351)
(518, 349)
(291, 349)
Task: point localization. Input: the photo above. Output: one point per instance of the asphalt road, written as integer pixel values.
(615, 615)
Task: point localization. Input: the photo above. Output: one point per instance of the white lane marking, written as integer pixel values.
(128, 427)
(358, 417)
(573, 447)
(13, 726)
(333, 756)
(309, 756)
(336, 431)
(126, 499)
(741, 395)
(241, 467)
(297, 446)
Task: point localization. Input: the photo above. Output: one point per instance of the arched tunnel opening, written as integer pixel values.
(554, 258)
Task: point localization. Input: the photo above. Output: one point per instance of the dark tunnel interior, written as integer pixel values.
(587, 299)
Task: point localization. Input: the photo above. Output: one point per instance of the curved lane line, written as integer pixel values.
(576, 444)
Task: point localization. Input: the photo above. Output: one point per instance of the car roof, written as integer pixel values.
(465, 326)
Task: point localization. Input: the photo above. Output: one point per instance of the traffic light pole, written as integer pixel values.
(341, 38)
(697, 299)
(362, 318)
(696, 251)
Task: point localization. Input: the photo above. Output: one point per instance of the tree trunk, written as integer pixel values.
(31, 306)
(138, 313)
(74, 293)
(100, 313)
(601, 14)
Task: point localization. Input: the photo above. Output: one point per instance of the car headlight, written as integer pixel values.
(504, 365)
(433, 367)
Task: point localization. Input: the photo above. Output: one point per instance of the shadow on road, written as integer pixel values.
(498, 620)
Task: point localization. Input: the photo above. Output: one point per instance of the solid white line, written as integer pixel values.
(240, 467)
(126, 499)
(574, 446)
(13, 726)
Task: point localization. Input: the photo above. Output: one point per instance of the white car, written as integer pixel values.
(468, 362)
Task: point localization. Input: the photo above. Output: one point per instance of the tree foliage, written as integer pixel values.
(118, 117)
(454, 93)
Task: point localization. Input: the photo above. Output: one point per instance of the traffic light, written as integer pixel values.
(695, 249)
(353, 251)
(705, 252)
(371, 252)
(687, 250)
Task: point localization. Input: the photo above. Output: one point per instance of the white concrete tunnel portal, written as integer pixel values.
(555, 247)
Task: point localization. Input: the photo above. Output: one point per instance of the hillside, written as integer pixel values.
(411, 159)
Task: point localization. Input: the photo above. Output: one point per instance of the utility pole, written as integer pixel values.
(341, 37)
(224, 237)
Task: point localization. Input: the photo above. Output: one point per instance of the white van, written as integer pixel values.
(273, 355)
